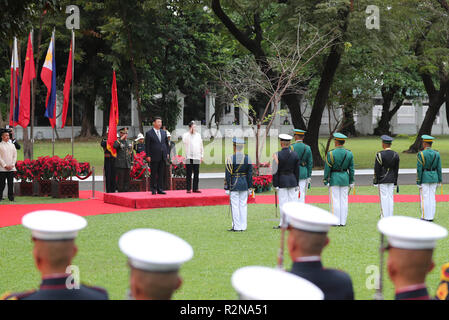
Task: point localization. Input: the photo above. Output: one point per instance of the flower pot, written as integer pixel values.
(178, 184)
(137, 186)
(65, 189)
(42, 188)
(25, 188)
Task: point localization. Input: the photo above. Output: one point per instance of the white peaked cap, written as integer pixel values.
(263, 283)
(139, 136)
(53, 225)
(155, 250)
(410, 233)
(284, 136)
(307, 217)
(168, 133)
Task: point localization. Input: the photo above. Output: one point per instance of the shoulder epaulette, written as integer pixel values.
(17, 296)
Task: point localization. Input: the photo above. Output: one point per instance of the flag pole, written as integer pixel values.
(13, 98)
(73, 72)
(32, 103)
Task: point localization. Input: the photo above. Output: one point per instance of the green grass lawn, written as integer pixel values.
(364, 149)
(217, 253)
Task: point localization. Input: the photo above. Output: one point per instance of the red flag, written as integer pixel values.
(28, 75)
(68, 80)
(15, 87)
(113, 118)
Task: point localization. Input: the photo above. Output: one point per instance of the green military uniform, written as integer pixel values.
(305, 164)
(338, 175)
(123, 163)
(429, 175)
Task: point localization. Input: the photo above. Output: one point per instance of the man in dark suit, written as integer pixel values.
(285, 173)
(156, 148)
(308, 227)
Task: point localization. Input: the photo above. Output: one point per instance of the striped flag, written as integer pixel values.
(48, 77)
(15, 87)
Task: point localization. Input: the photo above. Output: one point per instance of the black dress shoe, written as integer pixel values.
(277, 227)
(232, 230)
(161, 192)
(196, 191)
(11, 199)
(188, 191)
(153, 192)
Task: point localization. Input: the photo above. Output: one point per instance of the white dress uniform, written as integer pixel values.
(263, 283)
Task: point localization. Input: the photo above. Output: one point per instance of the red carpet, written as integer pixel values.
(178, 198)
(12, 214)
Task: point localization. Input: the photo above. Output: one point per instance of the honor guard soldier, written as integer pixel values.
(386, 170)
(429, 176)
(305, 163)
(308, 227)
(339, 177)
(443, 287)
(53, 234)
(109, 167)
(239, 181)
(285, 174)
(410, 248)
(264, 283)
(139, 143)
(154, 257)
(124, 160)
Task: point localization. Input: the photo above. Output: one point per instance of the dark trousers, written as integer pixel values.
(123, 179)
(157, 175)
(7, 176)
(192, 165)
(110, 175)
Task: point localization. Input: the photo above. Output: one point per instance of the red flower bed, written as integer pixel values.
(178, 167)
(262, 181)
(139, 166)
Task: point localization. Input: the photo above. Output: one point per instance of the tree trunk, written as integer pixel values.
(383, 126)
(327, 78)
(87, 122)
(293, 101)
(348, 123)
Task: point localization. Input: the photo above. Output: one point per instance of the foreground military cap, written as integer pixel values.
(308, 218)
(410, 233)
(386, 139)
(263, 283)
(155, 250)
(53, 225)
(427, 138)
(299, 131)
(285, 137)
(339, 136)
(236, 140)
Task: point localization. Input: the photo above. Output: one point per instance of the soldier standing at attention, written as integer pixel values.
(53, 233)
(339, 177)
(305, 163)
(285, 174)
(410, 248)
(308, 227)
(239, 181)
(109, 167)
(386, 170)
(429, 176)
(124, 160)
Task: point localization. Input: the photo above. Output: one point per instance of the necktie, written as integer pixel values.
(159, 135)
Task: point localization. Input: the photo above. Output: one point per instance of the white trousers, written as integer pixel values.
(428, 202)
(386, 191)
(239, 208)
(286, 195)
(338, 202)
(302, 190)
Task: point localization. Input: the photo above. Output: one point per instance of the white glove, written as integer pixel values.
(375, 185)
(250, 191)
(277, 188)
(227, 192)
(296, 189)
(327, 184)
(352, 185)
(439, 185)
(309, 180)
(419, 186)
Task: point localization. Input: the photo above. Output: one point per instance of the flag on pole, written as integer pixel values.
(68, 80)
(113, 118)
(15, 87)
(48, 77)
(28, 75)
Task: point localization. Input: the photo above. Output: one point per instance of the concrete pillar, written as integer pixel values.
(59, 103)
(243, 113)
(210, 107)
(180, 98)
(98, 117)
(443, 121)
(134, 116)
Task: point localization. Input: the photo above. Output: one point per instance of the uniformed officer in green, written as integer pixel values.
(124, 160)
(339, 177)
(429, 176)
(305, 163)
